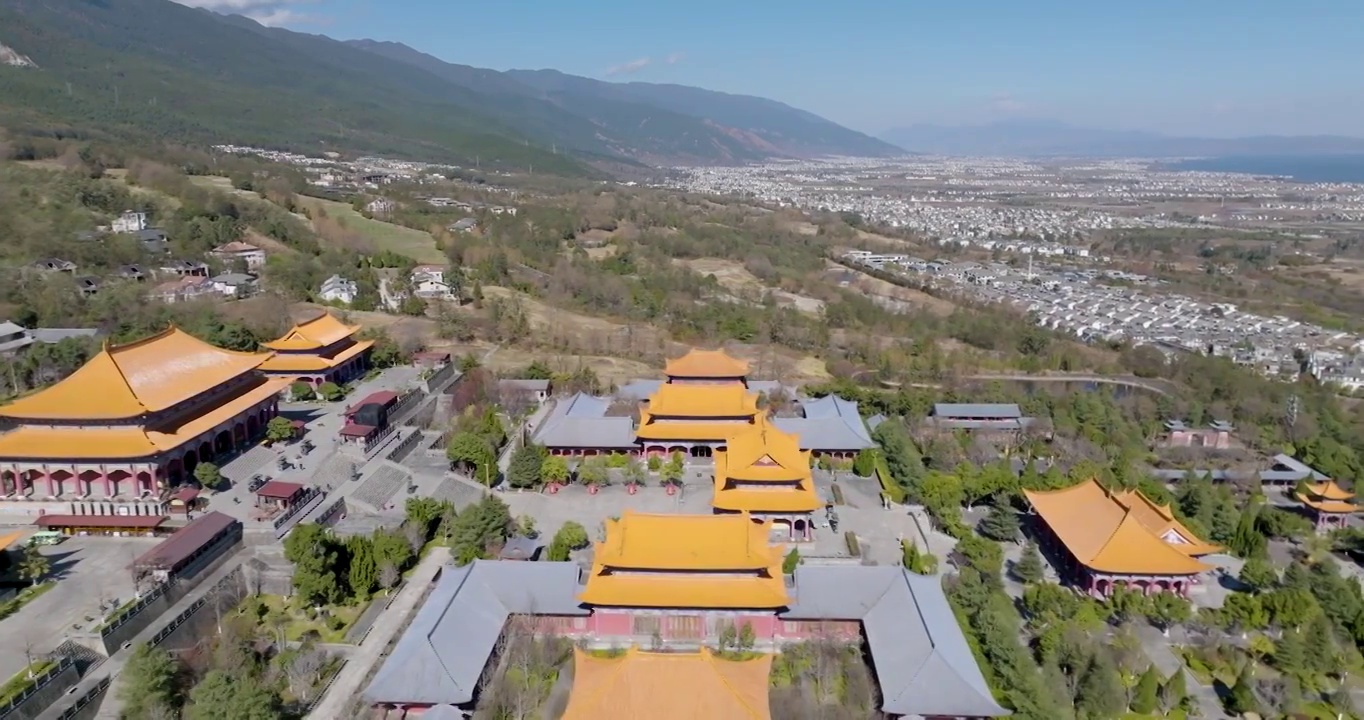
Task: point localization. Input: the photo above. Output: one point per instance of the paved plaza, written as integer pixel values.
(89, 570)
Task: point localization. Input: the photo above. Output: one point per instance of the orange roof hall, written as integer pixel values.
(686, 561)
(764, 472)
(1120, 537)
(135, 417)
(322, 349)
(706, 366)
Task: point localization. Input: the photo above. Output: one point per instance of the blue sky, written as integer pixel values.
(1208, 67)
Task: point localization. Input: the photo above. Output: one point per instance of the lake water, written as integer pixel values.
(1303, 168)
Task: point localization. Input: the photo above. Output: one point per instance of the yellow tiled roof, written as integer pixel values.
(645, 541)
(706, 364)
(663, 430)
(314, 334)
(703, 401)
(1329, 490)
(10, 539)
(1120, 532)
(303, 363)
(682, 590)
(125, 381)
(788, 500)
(761, 451)
(668, 686)
(117, 443)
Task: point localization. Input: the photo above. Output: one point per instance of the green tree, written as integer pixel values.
(330, 391)
(1168, 609)
(1001, 523)
(592, 471)
(1259, 574)
(363, 573)
(224, 696)
(554, 469)
(672, 470)
(1241, 698)
(1145, 696)
(34, 565)
(301, 392)
(573, 535)
(313, 551)
(1175, 692)
(865, 463)
(208, 475)
(473, 454)
(1028, 569)
(479, 528)
(790, 562)
(526, 465)
(1100, 693)
(279, 429)
(148, 681)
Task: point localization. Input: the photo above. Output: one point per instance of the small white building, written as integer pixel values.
(428, 281)
(252, 256)
(338, 289)
(381, 206)
(236, 285)
(129, 222)
(188, 287)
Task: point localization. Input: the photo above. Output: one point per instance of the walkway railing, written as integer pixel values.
(36, 685)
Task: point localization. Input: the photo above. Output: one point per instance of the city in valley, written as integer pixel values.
(340, 380)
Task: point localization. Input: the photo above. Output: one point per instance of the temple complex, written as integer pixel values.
(1113, 538)
(668, 686)
(320, 350)
(1329, 504)
(135, 419)
(695, 418)
(764, 473)
(678, 584)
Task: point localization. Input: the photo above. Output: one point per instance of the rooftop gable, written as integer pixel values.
(668, 686)
(703, 401)
(314, 334)
(645, 541)
(706, 364)
(763, 451)
(126, 381)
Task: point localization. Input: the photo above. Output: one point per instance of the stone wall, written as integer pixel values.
(49, 690)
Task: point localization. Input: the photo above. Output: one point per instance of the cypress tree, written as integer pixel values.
(1145, 696)
(1175, 690)
(1028, 569)
(1241, 699)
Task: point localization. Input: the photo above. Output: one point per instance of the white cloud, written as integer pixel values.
(274, 13)
(1006, 103)
(631, 67)
(675, 58)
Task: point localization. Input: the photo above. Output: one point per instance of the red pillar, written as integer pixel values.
(51, 487)
(108, 486)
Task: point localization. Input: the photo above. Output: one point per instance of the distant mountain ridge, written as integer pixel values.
(158, 70)
(1041, 138)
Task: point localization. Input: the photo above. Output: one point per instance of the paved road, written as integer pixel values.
(365, 658)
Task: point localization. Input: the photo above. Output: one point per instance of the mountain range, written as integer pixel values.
(1041, 138)
(157, 69)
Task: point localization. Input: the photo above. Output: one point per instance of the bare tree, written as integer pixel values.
(415, 536)
(305, 669)
(388, 575)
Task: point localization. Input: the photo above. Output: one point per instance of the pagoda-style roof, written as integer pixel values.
(763, 453)
(1120, 532)
(686, 561)
(305, 362)
(668, 686)
(654, 430)
(127, 442)
(127, 381)
(703, 364)
(1328, 497)
(703, 401)
(647, 541)
(314, 334)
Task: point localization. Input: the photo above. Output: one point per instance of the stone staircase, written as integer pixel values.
(242, 467)
(334, 472)
(384, 481)
(83, 657)
(460, 493)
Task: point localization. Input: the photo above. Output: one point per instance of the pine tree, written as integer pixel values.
(1145, 696)
(1290, 653)
(1101, 694)
(1028, 569)
(1241, 699)
(1174, 692)
(1000, 524)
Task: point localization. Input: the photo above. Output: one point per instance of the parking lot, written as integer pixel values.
(89, 570)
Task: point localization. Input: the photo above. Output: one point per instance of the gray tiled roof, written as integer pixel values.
(441, 655)
(580, 422)
(977, 411)
(639, 389)
(830, 423)
(923, 663)
(442, 712)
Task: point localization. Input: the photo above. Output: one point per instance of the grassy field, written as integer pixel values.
(416, 244)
